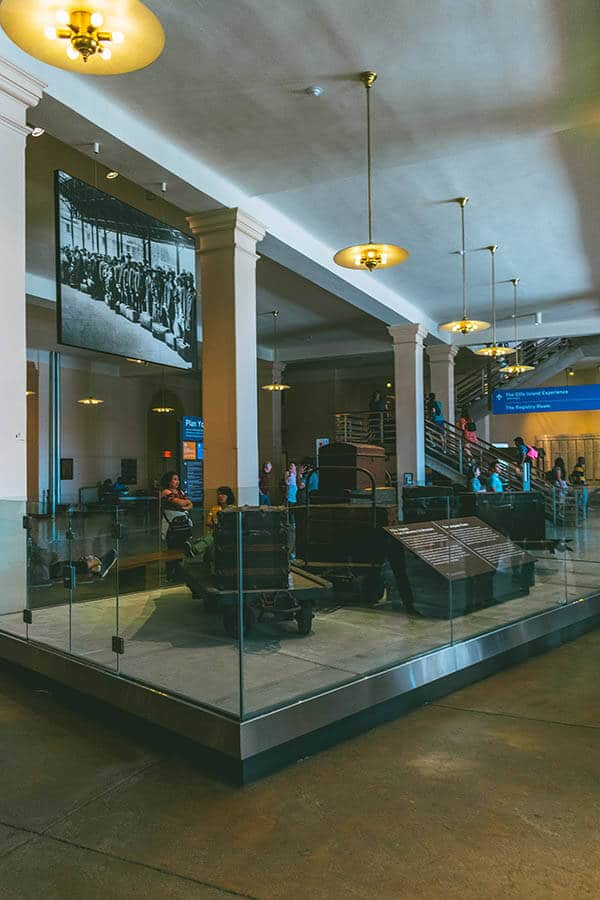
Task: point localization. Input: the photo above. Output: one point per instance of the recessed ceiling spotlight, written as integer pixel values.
(37, 131)
(112, 175)
(314, 90)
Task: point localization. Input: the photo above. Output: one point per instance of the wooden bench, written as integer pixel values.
(145, 560)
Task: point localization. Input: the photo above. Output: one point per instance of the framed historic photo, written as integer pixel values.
(126, 282)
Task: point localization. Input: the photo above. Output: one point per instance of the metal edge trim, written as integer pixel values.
(206, 727)
(269, 730)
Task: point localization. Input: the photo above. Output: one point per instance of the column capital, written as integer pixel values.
(407, 334)
(18, 91)
(219, 228)
(442, 353)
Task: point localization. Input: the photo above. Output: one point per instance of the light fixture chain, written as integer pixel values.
(369, 190)
(515, 282)
(463, 257)
(493, 255)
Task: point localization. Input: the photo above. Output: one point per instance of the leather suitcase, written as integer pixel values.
(364, 456)
(265, 548)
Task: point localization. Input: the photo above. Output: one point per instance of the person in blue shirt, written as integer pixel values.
(494, 482)
(475, 484)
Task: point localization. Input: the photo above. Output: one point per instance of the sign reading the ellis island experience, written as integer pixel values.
(459, 548)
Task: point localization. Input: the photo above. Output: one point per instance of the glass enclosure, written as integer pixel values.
(264, 606)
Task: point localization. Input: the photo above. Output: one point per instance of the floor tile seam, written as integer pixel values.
(36, 834)
(99, 795)
(28, 837)
(501, 715)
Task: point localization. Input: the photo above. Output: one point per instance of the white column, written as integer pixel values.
(18, 91)
(441, 366)
(227, 257)
(410, 402)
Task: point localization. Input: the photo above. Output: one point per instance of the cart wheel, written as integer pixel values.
(231, 621)
(304, 619)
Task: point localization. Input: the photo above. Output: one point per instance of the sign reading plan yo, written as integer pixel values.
(546, 399)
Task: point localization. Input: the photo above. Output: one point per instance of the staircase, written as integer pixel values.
(445, 451)
(473, 390)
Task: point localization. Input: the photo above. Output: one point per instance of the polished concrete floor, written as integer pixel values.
(491, 793)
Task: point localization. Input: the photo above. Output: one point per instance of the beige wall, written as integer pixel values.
(318, 392)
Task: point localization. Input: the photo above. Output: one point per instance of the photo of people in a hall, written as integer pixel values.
(126, 282)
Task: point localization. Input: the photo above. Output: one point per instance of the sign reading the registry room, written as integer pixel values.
(126, 282)
(546, 399)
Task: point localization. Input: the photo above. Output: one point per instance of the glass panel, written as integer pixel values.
(49, 582)
(356, 598)
(13, 567)
(173, 617)
(93, 552)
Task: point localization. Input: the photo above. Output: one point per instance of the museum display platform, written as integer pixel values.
(278, 696)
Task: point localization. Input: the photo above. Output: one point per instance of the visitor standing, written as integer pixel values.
(494, 482)
(264, 484)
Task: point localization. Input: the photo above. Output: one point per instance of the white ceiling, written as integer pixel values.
(498, 100)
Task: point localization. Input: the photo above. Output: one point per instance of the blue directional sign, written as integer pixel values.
(546, 399)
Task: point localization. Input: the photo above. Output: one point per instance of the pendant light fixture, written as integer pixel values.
(370, 256)
(464, 325)
(275, 384)
(107, 37)
(493, 349)
(90, 399)
(162, 408)
(516, 368)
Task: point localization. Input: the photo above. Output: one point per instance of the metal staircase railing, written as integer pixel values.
(449, 454)
(366, 427)
(476, 385)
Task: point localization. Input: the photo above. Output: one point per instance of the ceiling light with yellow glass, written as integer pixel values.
(464, 325)
(275, 385)
(494, 350)
(516, 368)
(370, 256)
(102, 37)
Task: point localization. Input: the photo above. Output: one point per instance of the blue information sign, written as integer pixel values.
(546, 399)
(192, 457)
(192, 428)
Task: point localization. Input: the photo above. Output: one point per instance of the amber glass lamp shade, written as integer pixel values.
(92, 37)
(495, 351)
(370, 256)
(465, 326)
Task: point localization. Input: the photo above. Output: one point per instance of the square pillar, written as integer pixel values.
(441, 366)
(410, 400)
(18, 92)
(226, 252)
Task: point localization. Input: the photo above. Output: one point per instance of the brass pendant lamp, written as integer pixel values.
(162, 408)
(516, 368)
(90, 398)
(370, 256)
(464, 325)
(275, 385)
(93, 37)
(494, 350)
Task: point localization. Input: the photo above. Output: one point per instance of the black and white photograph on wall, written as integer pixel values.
(126, 282)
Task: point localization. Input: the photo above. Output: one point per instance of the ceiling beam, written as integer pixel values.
(310, 255)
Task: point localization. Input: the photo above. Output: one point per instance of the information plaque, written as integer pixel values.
(449, 567)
